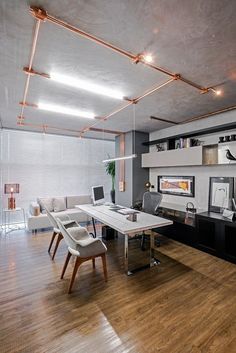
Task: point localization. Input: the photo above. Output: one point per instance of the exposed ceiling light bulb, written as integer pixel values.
(86, 85)
(218, 92)
(147, 58)
(63, 110)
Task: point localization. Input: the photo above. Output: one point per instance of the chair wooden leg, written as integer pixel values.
(93, 262)
(77, 264)
(65, 264)
(52, 240)
(104, 263)
(59, 238)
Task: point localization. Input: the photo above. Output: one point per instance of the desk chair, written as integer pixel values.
(56, 232)
(151, 202)
(84, 247)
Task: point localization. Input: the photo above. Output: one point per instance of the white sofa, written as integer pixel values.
(40, 221)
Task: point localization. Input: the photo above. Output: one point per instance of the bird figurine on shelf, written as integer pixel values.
(229, 155)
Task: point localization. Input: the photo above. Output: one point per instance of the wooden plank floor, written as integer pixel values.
(185, 305)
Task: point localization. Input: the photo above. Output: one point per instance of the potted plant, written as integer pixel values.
(111, 170)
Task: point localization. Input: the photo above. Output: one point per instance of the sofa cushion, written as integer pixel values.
(48, 202)
(59, 204)
(71, 201)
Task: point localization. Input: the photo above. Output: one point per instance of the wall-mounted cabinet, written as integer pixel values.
(192, 156)
(173, 158)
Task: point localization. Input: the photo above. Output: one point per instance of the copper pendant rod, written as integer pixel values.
(232, 107)
(32, 54)
(42, 14)
(164, 120)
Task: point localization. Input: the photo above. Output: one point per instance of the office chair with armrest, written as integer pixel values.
(151, 202)
(84, 247)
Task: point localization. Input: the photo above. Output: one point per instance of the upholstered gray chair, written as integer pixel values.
(84, 247)
(56, 231)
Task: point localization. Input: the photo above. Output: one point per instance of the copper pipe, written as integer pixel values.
(32, 54)
(147, 93)
(132, 101)
(21, 122)
(43, 15)
(164, 120)
(35, 73)
(46, 16)
(114, 132)
(233, 107)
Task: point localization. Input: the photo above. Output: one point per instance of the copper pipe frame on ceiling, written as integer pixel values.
(41, 14)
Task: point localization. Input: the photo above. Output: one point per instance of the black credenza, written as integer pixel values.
(216, 235)
(208, 231)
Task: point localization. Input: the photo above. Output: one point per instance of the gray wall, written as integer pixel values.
(201, 173)
(135, 176)
(51, 165)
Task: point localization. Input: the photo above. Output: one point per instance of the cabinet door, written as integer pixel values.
(230, 242)
(206, 234)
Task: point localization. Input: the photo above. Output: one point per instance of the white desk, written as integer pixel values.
(135, 256)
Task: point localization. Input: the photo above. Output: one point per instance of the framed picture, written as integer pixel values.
(221, 192)
(177, 185)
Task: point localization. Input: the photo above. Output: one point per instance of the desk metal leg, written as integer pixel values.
(94, 228)
(136, 257)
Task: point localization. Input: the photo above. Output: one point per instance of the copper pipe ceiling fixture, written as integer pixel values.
(42, 15)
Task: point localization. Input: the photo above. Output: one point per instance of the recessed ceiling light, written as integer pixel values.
(63, 110)
(86, 85)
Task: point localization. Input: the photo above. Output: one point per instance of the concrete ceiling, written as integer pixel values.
(194, 38)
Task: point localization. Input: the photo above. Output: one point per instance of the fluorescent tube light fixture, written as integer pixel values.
(63, 110)
(119, 158)
(86, 85)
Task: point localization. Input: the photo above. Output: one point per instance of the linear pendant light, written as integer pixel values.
(86, 85)
(62, 110)
(119, 158)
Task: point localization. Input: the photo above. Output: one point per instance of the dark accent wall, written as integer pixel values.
(135, 175)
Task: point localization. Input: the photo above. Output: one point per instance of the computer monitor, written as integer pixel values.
(97, 195)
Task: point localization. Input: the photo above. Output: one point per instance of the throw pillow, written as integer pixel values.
(45, 203)
(59, 204)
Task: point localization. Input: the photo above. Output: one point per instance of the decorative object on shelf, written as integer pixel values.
(160, 147)
(221, 139)
(221, 191)
(11, 189)
(229, 155)
(227, 138)
(177, 185)
(111, 170)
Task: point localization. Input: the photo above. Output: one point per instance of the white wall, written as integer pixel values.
(201, 173)
(51, 165)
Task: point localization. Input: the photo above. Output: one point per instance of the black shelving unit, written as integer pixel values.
(171, 140)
